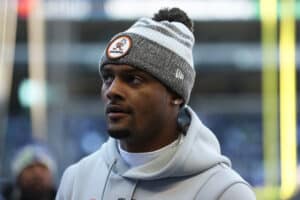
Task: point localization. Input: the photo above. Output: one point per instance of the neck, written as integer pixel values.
(146, 146)
(155, 136)
(159, 139)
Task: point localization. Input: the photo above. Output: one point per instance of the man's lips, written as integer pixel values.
(115, 112)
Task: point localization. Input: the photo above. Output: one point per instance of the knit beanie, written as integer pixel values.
(160, 48)
(31, 154)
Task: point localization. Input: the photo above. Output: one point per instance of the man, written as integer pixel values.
(33, 169)
(158, 148)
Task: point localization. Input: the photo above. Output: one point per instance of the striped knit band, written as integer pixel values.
(163, 49)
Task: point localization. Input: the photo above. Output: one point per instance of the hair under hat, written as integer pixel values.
(161, 48)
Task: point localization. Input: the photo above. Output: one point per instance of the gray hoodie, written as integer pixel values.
(194, 169)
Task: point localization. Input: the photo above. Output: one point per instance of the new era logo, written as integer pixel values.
(179, 74)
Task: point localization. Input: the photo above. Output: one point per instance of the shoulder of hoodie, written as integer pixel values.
(86, 163)
(238, 191)
(238, 187)
(75, 169)
(226, 184)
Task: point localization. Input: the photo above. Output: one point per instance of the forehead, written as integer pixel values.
(36, 164)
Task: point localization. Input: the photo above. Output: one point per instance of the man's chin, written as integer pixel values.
(118, 133)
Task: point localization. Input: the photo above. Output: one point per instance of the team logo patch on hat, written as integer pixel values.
(119, 47)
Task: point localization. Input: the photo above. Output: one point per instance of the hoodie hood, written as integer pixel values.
(199, 151)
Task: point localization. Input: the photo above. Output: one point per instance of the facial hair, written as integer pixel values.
(119, 134)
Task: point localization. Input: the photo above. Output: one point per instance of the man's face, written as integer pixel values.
(36, 179)
(137, 106)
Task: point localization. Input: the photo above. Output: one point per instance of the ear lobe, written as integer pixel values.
(177, 101)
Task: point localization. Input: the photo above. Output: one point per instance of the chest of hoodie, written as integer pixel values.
(176, 188)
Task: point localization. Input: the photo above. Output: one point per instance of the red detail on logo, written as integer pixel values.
(119, 47)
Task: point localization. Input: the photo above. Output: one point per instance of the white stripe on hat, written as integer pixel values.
(174, 28)
(164, 40)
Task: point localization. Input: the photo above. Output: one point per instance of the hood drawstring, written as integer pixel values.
(107, 178)
(134, 189)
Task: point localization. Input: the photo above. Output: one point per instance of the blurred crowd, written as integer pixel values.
(33, 170)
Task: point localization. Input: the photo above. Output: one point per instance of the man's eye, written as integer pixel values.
(133, 79)
(107, 78)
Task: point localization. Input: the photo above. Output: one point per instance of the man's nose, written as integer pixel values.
(115, 90)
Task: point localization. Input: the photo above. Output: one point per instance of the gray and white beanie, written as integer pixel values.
(31, 154)
(163, 49)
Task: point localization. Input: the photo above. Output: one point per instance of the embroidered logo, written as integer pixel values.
(119, 47)
(179, 74)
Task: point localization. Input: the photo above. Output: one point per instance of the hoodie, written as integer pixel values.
(193, 169)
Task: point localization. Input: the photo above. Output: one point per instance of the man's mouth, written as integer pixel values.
(115, 112)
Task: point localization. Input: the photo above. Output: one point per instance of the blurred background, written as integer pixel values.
(246, 56)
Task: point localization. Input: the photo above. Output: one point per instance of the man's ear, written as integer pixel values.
(176, 99)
